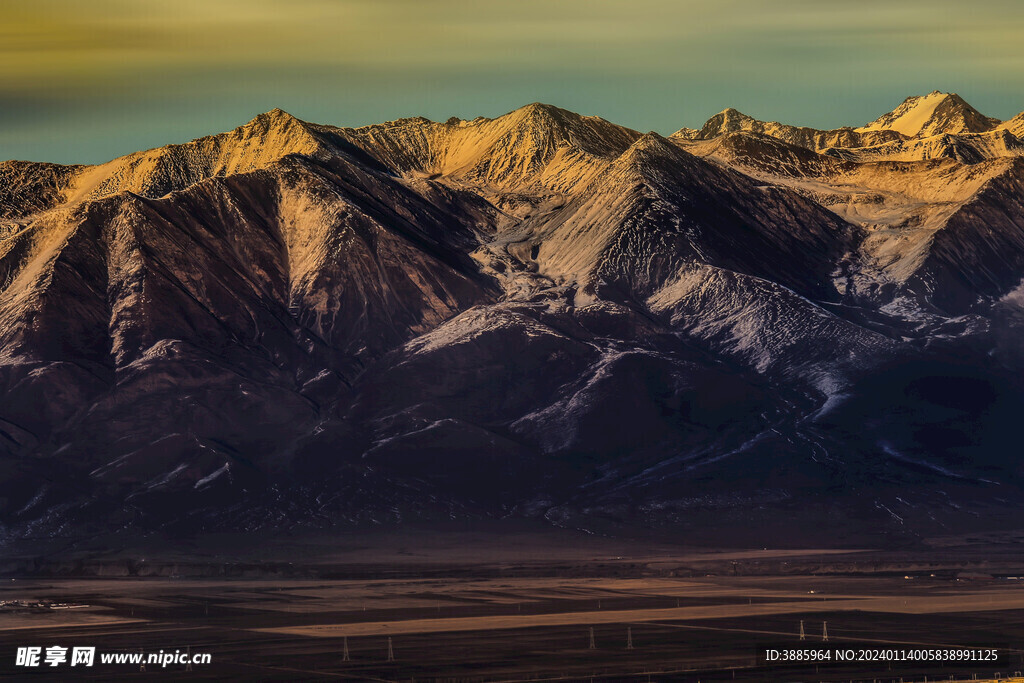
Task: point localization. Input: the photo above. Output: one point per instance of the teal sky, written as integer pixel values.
(87, 81)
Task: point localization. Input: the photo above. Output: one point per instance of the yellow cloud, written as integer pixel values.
(69, 43)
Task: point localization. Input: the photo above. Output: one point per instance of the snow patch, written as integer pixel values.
(910, 117)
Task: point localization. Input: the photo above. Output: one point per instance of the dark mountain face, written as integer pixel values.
(544, 315)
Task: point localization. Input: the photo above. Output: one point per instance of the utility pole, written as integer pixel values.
(593, 646)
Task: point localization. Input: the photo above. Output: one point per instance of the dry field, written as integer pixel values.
(488, 628)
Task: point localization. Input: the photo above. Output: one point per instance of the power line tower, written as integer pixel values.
(391, 652)
(629, 637)
(803, 636)
(824, 631)
(344, 650)
(593, 646)
(188, 662)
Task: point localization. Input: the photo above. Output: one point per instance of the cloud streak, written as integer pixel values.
(189, 67)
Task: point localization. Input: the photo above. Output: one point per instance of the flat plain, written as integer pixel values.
(688, 617)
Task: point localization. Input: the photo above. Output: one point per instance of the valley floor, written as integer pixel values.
(691, 615)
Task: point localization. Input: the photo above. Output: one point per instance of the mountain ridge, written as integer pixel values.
(919, 117)
(541, 314)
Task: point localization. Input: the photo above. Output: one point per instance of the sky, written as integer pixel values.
(84, 82)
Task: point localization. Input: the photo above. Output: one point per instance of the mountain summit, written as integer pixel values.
(536, 146)
(933, 114)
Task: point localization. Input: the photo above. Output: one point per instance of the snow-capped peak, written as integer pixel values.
(932, 114)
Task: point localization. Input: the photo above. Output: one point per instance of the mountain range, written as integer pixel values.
(745, 331)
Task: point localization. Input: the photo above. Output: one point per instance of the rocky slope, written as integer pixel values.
(540, 315)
